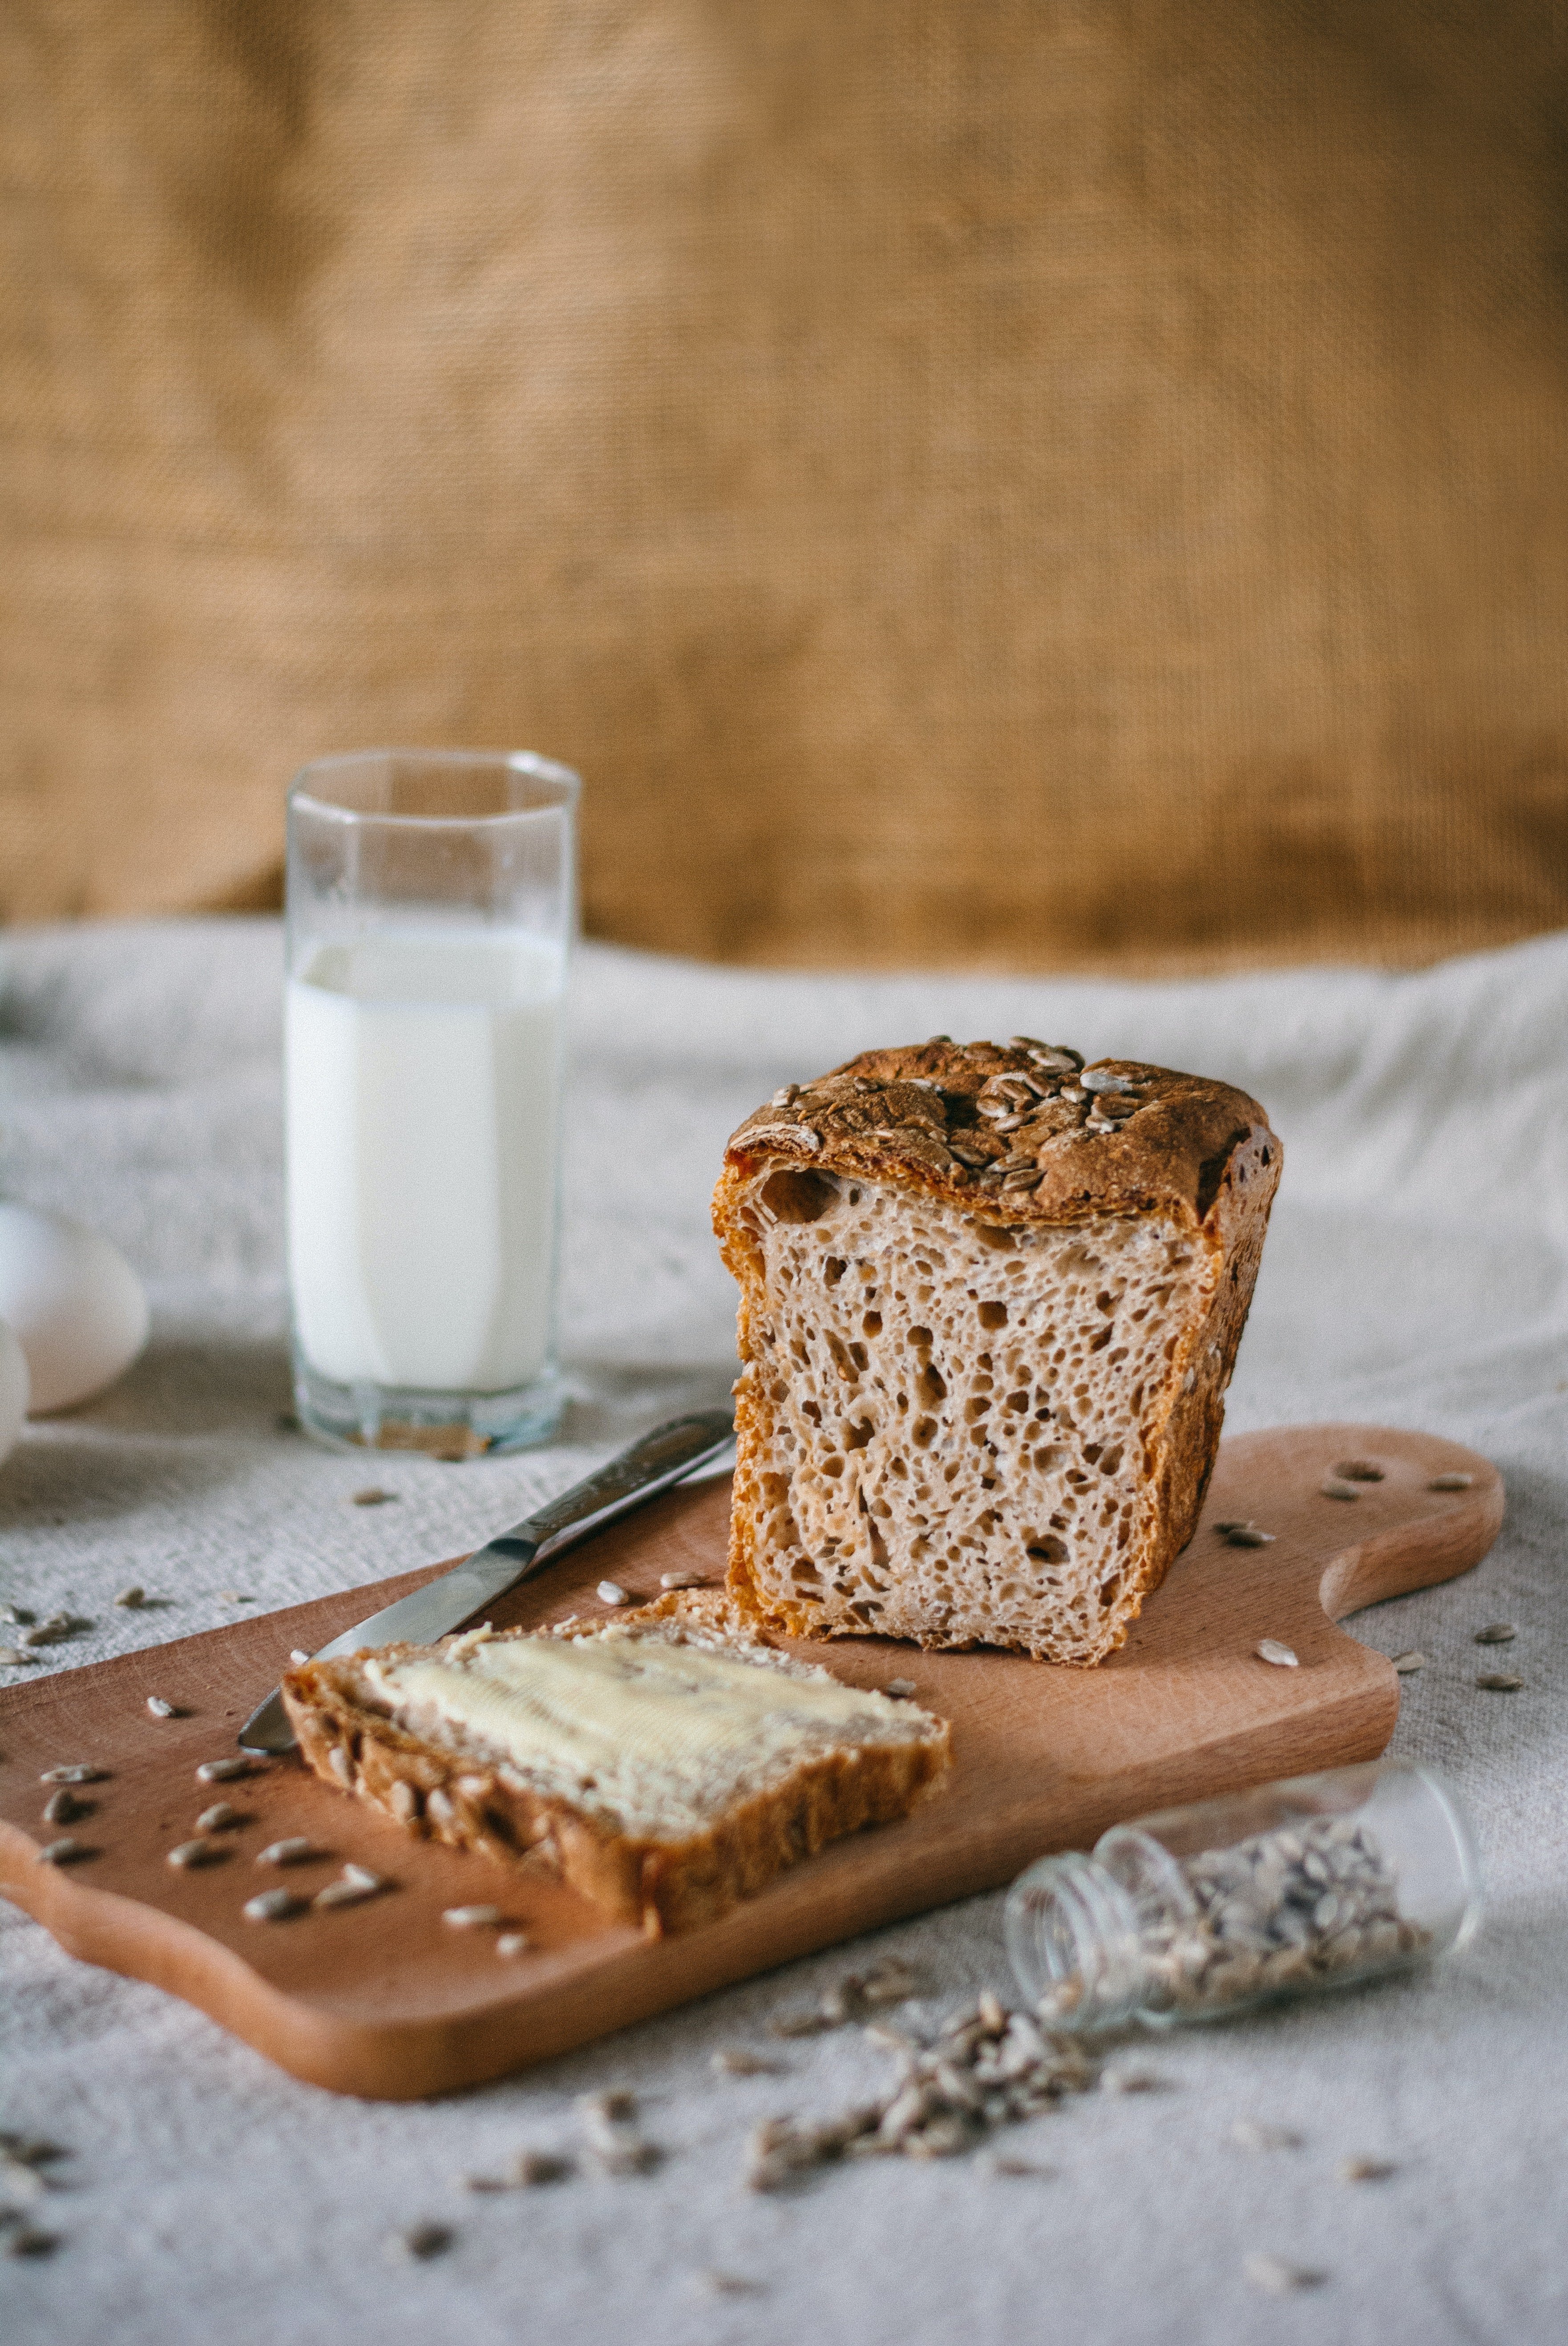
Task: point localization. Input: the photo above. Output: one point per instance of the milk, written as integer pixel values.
(423, 1078)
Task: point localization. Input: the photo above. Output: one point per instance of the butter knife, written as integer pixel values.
(652, 1464)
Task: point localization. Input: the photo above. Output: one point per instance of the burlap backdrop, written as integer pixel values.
(1016, 482)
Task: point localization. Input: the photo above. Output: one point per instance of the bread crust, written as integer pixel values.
(1195, 1152)
(657, 1885)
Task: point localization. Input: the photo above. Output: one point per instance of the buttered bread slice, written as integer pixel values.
(663, 1762)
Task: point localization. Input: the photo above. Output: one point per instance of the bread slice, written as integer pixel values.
(665, 1762)
(990, 1302)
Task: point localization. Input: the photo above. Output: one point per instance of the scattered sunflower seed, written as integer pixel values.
(1409, 1663)
(1269, 1649)
(805, 2023)
(682, 1580)
(31, 2149)
(14, 1612)
(23, 2182)
(65, 1852)
(161, 1708)
(374, 1497)
(234, 1597)
(512, 1943)
(352, 1887)
(1006, 2163)
(226, 1771)
(295, 1849)
(201, 1851)
(610, 1592)
(27, 2240)
(1278, 2276)
(131, 1598)
(610, 2124)
(1359, 1469)
(1133, 2081)
(298, 1655)
(219, 1817)
(1333, 1489)
(1365, 2170)
(899, 1689)
(1499, 1682)
(273, 1906)
(1496, 1633)
(64, 1808)
(740, 2061)
(79, 1772)
(1248, 1536)
(1251, 2134)
(728, 2284)
(1451, 1482)
(12, 1658)
(473, 1918)
(422, 2241)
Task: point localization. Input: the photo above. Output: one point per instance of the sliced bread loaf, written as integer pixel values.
(990, 1303)
(665, 1762)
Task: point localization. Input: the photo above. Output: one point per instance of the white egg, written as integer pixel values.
(73, 1302)
(13, 1390)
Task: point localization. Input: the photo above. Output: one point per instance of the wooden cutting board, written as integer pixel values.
(385, 2000)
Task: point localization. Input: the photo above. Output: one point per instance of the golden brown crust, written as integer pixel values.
(657, 1886)
(1193, 1150)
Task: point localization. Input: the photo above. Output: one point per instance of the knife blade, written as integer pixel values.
(645, 1467)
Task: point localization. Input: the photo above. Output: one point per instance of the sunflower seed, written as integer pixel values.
(1006, 2162)
(1133, 2081)
(610, 1592)
(131, 1598)
(273, 1906)
(298, 1657)
(160, 1709)
(226, 1771)
(1359, 1469)
(27, 2240)
(201, 1851)
(12, 1658)
(473, 1918)
(422, 2241)
(63, 1808)
(23, 2182)
(1500, 1682)
(1409, 1663)
(1269, 1649)
(727, 2284)
(345, 1891)
(31, 2149)
(234, 1597)
(1496, 1633)
(785, 1095)
(740, 2061)
(1335, 1490)
(899, 1689)
(1248, 1536)
(80, 1771)
(1365, 2170)
(1250, 2134)
(65, 1852)
(1451, 1482)
(683, 1580)
(512, 1943)
(295, 1849)
(799, 2024)
(1278, 2276)
(219, 1817)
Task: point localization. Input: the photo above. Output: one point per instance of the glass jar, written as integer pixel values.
(1194, 1914)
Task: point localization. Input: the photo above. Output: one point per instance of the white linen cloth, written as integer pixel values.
(1414, 1276)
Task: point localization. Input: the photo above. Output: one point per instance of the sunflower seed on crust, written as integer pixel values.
(1270, 1649)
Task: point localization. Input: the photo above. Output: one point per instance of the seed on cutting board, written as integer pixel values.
(63, 1808)
(65, 1852)
(1500, 1682)
(1496, 1633)
(1451, 1482)
(295, 1849)
(899, 1689)
(201, 1851)
(218, 1817)
(348, 1890)
(473, 1918)
(1248, 1536)
(512, 1943)
(162, 1709)
(682, 1579)
(79, 1771)
(226, 1771)
(1365, 2170)
(610, 1592)
(298, 1657)
(1335, 1489)
(273, 1906)
(1278, 2276)
(1359, 1469)
(1269, 1649)
(1408, 1664)
(131, 1598)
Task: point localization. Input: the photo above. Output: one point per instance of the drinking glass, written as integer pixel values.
(430, 911)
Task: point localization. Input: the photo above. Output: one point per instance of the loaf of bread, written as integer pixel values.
(663, 1762)
(990, 1301)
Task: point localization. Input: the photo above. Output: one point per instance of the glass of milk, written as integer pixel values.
(431, 906)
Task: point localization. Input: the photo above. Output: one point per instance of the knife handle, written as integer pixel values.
(637, 1473)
